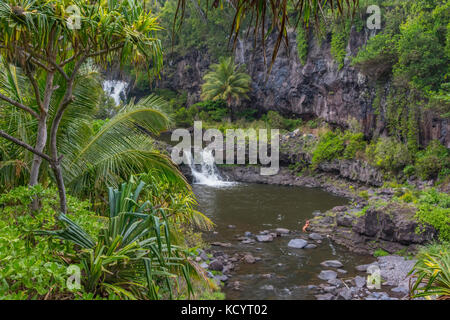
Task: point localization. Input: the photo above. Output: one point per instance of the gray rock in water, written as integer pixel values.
(203, 255)
(221, 244)
(332, 264)
(216, 265)
(222, 278)
(317, 213)
(312, 287)
(297, 243)
(264, 238)
(248, 234)
(327, 275)
(231, 226)
(267, 287)
(360, 282)
(400, 289)
(282, 231)
(330, 289)
(327, 296)
(364, 267)
(342, 271)
(248, 258)
(285, 291)
(335, 282)
(378, 296)
(315, 236)
(345, 294)
(310, 246)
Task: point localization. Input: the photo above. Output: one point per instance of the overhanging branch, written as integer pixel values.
(19, 105)
(24, 145)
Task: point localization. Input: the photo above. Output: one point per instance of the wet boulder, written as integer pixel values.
(297, 243)
(328, 275)
(332, 264)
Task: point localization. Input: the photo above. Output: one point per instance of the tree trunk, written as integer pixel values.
(41, 141)
(229, 101)
(56, 167)
(41, 137)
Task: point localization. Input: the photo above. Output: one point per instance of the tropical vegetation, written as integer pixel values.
(88, 195)
(228, 82)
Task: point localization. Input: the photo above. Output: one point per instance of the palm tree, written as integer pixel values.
(93, 159)
(226, 81)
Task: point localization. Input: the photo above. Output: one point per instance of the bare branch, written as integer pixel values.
(35, 86)
(98, 53)
(19, 105)
(24, 145)
(71, 59)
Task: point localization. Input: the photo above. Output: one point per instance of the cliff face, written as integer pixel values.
(317, 89)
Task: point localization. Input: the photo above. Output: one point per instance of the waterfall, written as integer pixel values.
(116, 89)
(241, 50)
(206, 173)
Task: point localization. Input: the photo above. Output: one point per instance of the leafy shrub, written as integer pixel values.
(364, 194)
(330, 146)
(302, 44)
(421, 55)
(292, 124)
(378, 56)
(185, 116)
(277, 121)
(430, 162)
(409, 170)
(216, 110)
(247, 114)
(380, 253)
(388, 154)
(338, 145)
(434, 209)
(312, 124)
(339, 41)
(29, 267)
(432, 272)
(354, 143)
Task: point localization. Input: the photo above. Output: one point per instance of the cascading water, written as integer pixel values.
(206, 173)
(116, 89)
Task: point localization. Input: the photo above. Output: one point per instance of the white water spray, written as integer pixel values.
(116, 89)
(206, 173)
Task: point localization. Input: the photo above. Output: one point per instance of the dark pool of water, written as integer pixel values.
(257, 207)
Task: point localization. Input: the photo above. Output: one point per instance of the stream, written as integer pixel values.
(282, 272)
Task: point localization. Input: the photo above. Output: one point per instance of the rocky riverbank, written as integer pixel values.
(385, 278)
(393, 280)
(391, 227)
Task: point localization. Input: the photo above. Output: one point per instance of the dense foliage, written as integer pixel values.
(432, 273)
(412, 50)
(32, 267)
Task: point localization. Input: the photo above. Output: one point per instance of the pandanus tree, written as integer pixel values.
(226, 81)
(94, 156)
(51, 40)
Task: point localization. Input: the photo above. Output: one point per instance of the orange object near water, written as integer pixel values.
(306, 226)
